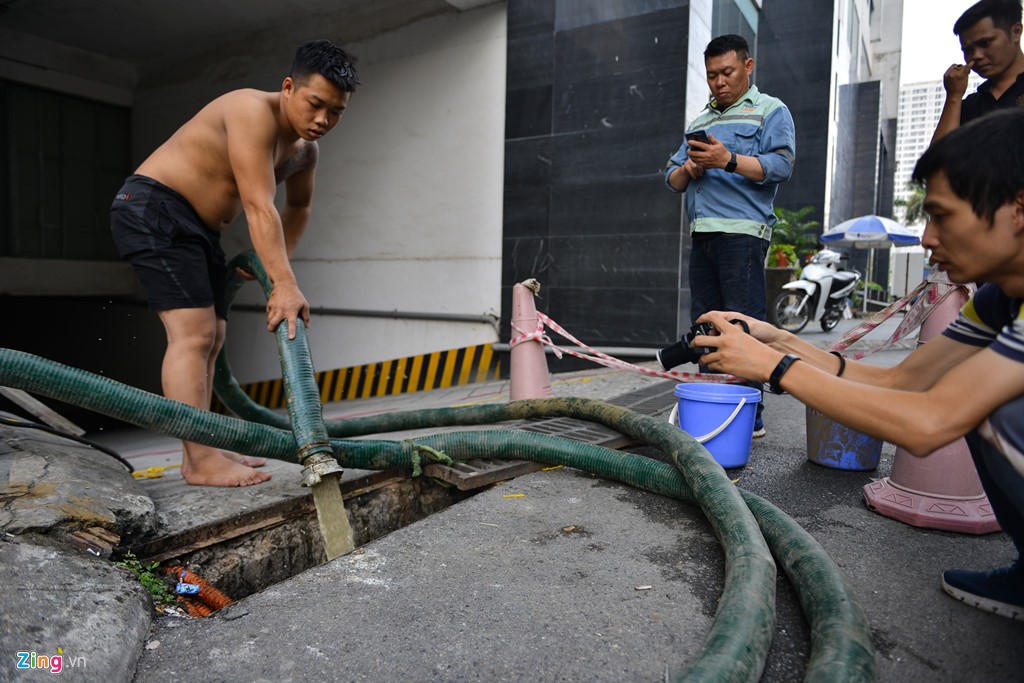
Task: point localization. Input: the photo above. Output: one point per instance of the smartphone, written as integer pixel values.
(699, 136)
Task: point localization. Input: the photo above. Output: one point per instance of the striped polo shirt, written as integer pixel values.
(996, 321)
(757, 125)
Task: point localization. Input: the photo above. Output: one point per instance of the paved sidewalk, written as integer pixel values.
(541, 578)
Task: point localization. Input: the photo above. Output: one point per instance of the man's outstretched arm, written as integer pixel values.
(926, 402)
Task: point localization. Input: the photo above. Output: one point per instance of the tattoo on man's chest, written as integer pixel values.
(292, 165)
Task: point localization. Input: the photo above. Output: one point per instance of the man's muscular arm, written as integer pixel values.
(299, 175)
(252, 133)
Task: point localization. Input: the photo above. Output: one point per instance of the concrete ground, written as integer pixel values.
(552, 576)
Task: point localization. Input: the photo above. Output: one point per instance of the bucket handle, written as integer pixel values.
(712, 434)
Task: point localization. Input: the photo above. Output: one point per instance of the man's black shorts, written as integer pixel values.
(178, 259)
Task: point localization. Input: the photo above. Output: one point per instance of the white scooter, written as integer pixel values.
(820, 294)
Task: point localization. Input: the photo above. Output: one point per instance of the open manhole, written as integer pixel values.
(258, 548)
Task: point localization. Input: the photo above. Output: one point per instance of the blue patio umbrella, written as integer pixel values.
(869, 232)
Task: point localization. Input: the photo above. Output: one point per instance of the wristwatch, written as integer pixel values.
(779, 371)
(731, 166)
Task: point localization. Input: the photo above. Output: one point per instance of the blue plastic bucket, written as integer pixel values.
(703, 408)
(835, 445)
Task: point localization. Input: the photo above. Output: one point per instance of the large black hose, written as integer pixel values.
(841, 647)
(738, 643)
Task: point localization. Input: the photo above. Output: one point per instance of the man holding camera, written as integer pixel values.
(736, 153)
(974, 182)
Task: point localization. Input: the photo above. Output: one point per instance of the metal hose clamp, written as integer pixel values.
(318, 466)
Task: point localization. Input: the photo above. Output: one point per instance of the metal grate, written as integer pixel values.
(653, 400)
(473, 474)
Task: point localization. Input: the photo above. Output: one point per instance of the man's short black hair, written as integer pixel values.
(727, 43)
(982, 161)
(1003, 13)
(327, 59)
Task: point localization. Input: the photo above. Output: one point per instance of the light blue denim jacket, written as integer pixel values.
(757, 125)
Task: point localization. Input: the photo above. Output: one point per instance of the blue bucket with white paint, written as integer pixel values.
(831, 444)
(721, 417)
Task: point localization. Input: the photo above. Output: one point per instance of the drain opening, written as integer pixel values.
(253, 551)
(258, 549)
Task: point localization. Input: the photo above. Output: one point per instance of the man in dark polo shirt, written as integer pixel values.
(989, 33)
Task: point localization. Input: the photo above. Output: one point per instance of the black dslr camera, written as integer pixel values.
(682, 351)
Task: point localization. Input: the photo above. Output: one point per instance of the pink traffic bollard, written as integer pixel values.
(940, 490)
(529, 377)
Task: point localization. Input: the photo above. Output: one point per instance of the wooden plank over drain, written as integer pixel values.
(190, 540)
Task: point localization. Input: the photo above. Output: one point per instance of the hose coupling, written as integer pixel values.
(318, 466)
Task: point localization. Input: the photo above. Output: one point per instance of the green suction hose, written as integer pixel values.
(736, 647)
(841, 642)
(841, 647)
(304, 407)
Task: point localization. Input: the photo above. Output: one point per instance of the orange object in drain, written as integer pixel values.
(206, 601)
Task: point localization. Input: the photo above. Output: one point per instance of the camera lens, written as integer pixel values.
(675, 355)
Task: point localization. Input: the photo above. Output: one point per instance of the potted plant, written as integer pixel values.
(782, 256)
(793, 229)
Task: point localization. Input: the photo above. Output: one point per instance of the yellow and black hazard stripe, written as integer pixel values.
(437, 370)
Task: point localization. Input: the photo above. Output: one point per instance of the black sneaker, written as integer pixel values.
(1000, 591)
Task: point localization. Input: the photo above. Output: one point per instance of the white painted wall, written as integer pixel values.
(407, 213)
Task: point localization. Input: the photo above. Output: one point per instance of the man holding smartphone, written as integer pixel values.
(736, 153)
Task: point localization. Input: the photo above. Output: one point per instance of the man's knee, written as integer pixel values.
(192, 329)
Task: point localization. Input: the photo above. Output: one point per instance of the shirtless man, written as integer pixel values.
(166, 221)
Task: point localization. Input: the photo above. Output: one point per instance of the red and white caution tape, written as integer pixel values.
(604, 359)
(932, 291)
(929, 294)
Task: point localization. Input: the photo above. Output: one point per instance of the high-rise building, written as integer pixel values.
(836, 64)
(597, 92)
(919, 110)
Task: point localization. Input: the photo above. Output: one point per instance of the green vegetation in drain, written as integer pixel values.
(150, 579)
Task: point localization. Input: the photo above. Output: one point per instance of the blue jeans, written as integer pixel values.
(727, 274)
(1003, 485)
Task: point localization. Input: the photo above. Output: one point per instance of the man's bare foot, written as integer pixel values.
(247, 460)
(205, 466)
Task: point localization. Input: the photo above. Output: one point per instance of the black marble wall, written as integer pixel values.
(861, 161)
(594, 108)
(887, 181)
(794, 63)
(855, 181)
